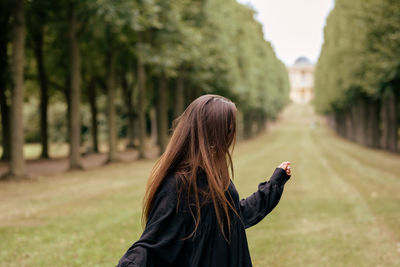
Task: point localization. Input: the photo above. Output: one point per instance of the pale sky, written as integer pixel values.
(294, 27)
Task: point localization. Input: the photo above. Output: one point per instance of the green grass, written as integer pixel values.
(341, 207)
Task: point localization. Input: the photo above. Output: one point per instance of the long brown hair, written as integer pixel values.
(201, 140)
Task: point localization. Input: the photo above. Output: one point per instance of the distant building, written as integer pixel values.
(301, 76)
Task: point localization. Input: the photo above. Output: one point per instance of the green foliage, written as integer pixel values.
(233, 59)
(361, 53)
(216, 45)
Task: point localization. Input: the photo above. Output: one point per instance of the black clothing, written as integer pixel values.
(164, 241)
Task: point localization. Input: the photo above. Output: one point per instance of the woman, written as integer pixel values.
(191, 208)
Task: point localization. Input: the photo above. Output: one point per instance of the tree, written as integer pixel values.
(17, 163)
(357, 75)
(161, 53)
(38, 16)
(5, 8)
(128, 88)
(162, 113)
(141, 76)
(112, 131)
(93, 110)
(75, 90)
(179, 96)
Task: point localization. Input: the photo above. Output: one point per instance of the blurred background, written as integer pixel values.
(89, 91)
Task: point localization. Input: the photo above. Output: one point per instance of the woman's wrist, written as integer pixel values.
(279, 176)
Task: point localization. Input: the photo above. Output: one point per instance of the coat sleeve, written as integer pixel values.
(255, 207)
(163, 237)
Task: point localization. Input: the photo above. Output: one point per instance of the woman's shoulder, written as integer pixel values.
(165, 199)
(170, 183)
(166, 196)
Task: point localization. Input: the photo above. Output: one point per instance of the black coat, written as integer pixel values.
(164, 241)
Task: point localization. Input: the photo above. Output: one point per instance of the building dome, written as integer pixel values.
(302, 61)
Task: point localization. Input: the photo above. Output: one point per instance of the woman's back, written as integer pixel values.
(166, 241)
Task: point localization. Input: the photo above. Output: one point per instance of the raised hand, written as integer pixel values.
(286, 167)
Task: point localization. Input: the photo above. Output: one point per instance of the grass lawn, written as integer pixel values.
(341, 207)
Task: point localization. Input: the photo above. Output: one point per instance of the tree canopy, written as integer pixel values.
(358, 73)
(126, 59)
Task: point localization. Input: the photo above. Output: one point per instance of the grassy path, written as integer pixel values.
(341, 207)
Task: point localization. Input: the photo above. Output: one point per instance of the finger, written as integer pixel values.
(284, 165)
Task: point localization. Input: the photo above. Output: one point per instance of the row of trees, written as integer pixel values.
(148, 58)
(357, 77)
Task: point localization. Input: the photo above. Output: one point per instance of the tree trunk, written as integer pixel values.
(247, 124)
(67, 90)
(372, 129)
(342, 119)
(340, 123)
(389, 121)
(356, 121)
(93, 111)
(179, 97)
(363, 120)
(17, 163)
(257, 122)
(330, 120)
(262, 122)
(75, 91)
(154, 131)
(240, 126)
(162, 113)
(349, 124)
(189, 95)
(141, 108)
(38, 49)
(5, 120)
(360, 121)
(335, 120)
(356, 126)
(4, 106)
(128, 94)
(112, 129)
